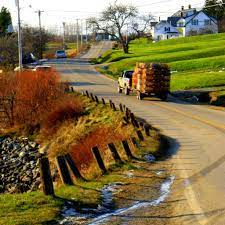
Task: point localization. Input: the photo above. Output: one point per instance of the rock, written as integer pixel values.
(19, 167)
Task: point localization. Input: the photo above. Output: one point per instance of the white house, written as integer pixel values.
(185, 22)
(163, 30)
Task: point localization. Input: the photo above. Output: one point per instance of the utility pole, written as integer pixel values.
(19, 37)
(86, 31)
(40, 34)
(81, 33)
(77, 36)
(64, 34)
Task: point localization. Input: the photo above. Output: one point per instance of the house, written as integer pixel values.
(185, 22)
(163, 30)
(192, 22)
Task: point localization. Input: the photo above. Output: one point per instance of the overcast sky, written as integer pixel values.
(58, 11)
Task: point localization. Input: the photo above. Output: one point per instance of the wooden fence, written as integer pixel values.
(67, 167)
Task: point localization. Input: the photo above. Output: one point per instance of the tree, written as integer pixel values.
(140, 24)
(8, 52)
(215, 8)
(31, 40)
(5, 21)
(113, 21)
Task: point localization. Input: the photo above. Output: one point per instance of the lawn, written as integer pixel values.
(198, 61)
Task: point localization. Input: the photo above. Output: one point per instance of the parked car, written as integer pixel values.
(60, 54)
(42, 68)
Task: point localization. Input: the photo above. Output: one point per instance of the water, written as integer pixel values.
(105, 211)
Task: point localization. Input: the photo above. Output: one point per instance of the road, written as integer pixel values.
(197, 134)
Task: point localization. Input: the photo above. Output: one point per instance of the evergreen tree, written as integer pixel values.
(5, 20)
(214, 8)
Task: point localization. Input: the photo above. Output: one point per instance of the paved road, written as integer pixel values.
(198, 137)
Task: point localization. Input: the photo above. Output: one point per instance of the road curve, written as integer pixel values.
(198, 146)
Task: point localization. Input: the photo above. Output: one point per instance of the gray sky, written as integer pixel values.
(58, 11)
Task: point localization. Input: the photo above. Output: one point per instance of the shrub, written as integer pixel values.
(100, 137)
(65, 109)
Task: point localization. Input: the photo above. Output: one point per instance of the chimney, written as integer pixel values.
(182, 8)
(189, 6)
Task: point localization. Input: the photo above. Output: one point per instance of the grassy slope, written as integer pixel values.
(35, 208)
(193, 58)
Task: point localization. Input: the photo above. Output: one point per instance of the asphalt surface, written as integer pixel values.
(197, 135)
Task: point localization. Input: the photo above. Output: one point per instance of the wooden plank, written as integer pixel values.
(99, 159)
(46, 178)
(115, 153)
(63, 170)
(73, 167)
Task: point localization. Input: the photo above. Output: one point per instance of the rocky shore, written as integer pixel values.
(19, 169)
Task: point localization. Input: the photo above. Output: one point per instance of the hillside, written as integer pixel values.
(195, 62)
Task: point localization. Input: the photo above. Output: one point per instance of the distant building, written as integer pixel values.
(185, 22)
(163, 30)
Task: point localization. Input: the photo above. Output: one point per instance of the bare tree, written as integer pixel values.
(141, 23)
(113, 21)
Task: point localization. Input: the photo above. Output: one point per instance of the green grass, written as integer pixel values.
(192, 56)
(26, 209)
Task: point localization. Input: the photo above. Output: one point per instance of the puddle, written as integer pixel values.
(105, 211)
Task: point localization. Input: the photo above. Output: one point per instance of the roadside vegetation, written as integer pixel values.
(196, 62)
(64, 122)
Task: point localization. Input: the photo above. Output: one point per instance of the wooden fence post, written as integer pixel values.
(140, 135)
(63, 170)
(87, 94)
(141, 124)
(110, 103)
(73, 167)
(92, 97)
(103, 101)
(113, 106)
(121, 107)
(134, 141)
(46, 178)
(127, 149)
(99, 159)
(115, 153)
(96, 99)
(147, 129)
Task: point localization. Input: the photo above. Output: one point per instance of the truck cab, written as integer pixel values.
(125, 81)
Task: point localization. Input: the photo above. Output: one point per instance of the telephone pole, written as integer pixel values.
(81, 33)
(77, 36)
(40, 34)
(86, 31)
(64, 35)
(19, 37)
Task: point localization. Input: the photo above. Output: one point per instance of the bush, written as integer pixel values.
(34, 94)
(65, 109)
(100, 137)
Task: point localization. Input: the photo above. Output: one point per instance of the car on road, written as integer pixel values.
(42, 68)
(59, 54)
(146, 80)
(125, 82)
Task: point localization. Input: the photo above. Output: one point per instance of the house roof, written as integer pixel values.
(185, 12)
(173, 20)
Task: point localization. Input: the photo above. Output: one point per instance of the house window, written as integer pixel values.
(167, 28)
(194, 22)
(207, 22)
(180, 24)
